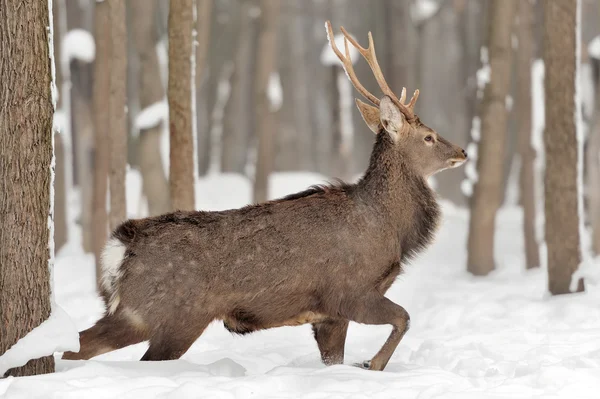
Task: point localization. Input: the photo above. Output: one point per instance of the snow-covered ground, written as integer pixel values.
(499, 336)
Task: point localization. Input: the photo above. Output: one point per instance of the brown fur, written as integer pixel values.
(323, 256)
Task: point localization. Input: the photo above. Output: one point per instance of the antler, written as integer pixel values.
(369, 55)
(347, 63)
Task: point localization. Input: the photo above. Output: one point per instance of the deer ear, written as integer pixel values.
(392, 118)
(370, 115)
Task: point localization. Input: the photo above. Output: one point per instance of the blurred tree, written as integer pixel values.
(181, 176)
(117, 123)
(60, 187)
(560, 142)
(265, 106)
(525, 54)
(204, 16)
(25, 175)
(101, 93)
(151, 93)
(593, 160)
(487, 193)
(80, 71)
(238, 127)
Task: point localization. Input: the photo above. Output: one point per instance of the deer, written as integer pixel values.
(325, 256)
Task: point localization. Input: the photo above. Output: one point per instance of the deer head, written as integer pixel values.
(427, 151)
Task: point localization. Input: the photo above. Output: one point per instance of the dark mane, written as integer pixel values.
(336, 185)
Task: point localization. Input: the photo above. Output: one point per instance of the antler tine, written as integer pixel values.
(371, 58)
(413, 100)
(347, 63)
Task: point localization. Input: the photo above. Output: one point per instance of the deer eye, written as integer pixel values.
(429, 138)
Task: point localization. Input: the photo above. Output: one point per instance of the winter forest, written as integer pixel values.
(193, 204)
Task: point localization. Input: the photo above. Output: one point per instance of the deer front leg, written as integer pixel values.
(330, 335)
(377, 310)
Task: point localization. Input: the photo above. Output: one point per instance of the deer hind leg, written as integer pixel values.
(377, 310)
(172, 343)
(330, 335)
(108, 334)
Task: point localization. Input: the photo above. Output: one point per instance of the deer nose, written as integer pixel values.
(464, 153)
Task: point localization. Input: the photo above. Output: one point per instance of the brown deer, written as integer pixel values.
(324, 256)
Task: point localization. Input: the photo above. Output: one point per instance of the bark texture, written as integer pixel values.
(101, 92)
(560, 143)
(265, 114)
(26, 113)
(525, 54)
(181, 152)
(487, 193)
(154, 181)
(117, 121)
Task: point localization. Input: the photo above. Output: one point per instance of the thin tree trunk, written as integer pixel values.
(526, 151)
(25, 175)
(265, 112)
(181, 176)
(117, 122)
(82, 126)
(237, 130)
(593, 165)
(204, 12)
(560, 144)
(101, 92)
(60, 189)
(154, 181)
(487, 194)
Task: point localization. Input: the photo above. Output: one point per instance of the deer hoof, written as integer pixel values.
(364, 365)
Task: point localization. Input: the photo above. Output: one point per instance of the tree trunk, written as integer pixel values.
(60, 189)
(82, 126)
(560, 143)
(526, 152)
(101, 92)
(487, 194)
(593, 164)
(238, 127)
(154, 181)
(204, 12)
(117, 122)
(25, 175)
(265, 110)
(181, 176)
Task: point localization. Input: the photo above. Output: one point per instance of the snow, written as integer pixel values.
(78, 44)
(422, 10)
(498, 336)
(152, 115)
(274, 92)
(594, 47)
(56, 334)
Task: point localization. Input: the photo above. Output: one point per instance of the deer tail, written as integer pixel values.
(111, 260)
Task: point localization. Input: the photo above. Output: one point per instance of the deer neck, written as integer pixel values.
(392, 186)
